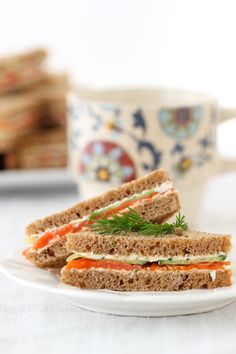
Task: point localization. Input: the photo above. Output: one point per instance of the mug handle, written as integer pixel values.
(224, 115)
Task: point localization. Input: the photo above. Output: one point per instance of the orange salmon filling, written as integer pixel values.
(47, 236)
(85, 263)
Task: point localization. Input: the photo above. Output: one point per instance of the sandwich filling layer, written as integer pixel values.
(138, 259)
(211, 262)
(147, 196)
(85, 263)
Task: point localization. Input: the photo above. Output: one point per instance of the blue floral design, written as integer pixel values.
(105, 161)
(154, 153)
(187, 162)
(96, 117)
(178, 148)
(182, 122)
(115, 124)
(139, 120)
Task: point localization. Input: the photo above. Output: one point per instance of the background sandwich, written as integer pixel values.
(19, 71)
(153, 197)
(19, 116)
(44, 149)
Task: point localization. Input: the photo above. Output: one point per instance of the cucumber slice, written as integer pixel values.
(30, 239)
(100, 258)
(136, 261)
(99, 212)
(170, 260)
(73, 256)
(220, 258)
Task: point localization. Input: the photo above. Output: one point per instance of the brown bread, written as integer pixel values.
(161, 210)
(121, 280)
(53, 256)
(191, 242)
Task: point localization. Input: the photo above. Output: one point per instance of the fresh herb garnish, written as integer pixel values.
(180, 222)
(133, 222)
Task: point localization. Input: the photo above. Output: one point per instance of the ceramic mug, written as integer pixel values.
(118, 135)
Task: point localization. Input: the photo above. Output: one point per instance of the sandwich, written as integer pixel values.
(154, 257)
(18, 117)
(51, 93)
(153, 197)
(41, 149)
(34, 110)
(19, 71)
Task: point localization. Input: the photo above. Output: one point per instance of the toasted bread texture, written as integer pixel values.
(121, 280)
(191, 242)
(53, 256)
(158, 211)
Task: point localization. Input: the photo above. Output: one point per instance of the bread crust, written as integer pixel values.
(53, 256)
(87, 207)
(194, 243)
(120, 280)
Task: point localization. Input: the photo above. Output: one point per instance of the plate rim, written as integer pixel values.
(198, 296)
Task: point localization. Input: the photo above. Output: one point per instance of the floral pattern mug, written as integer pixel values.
(118, 135)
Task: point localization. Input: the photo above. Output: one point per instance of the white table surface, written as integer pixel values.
(36, 322)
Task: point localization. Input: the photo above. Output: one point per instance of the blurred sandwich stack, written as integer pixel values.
(32, 113)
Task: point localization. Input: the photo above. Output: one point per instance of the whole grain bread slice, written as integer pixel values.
(189, 242)
(53, 256)
(143, 280)
(161, 210)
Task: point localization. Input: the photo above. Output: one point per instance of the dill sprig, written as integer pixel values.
(131, 221)
(180, 222)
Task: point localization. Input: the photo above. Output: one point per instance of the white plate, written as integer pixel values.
(33, 178)
(117, 303)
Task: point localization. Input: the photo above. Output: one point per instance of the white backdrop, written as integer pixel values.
(181, 43)
(187, 43)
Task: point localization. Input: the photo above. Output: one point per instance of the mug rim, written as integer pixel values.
(143, 95)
